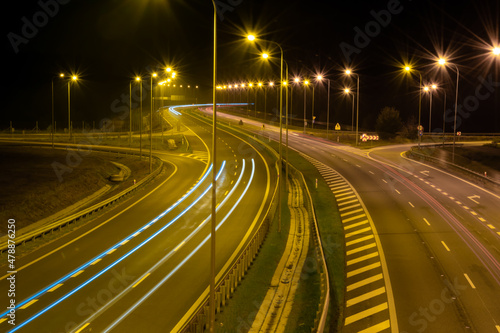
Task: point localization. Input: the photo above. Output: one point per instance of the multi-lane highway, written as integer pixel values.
(422, 245)
(141, 266)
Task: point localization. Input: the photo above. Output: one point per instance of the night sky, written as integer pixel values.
(108, 42)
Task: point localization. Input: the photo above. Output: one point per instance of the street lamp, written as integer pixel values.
(496, 51)
(153, 75)
(443, 62)
(306, 83)
(73, 78)
(408, 69)
(348, 72)
(139, 79)
(253, 38)
(347, 91)
(214, 180)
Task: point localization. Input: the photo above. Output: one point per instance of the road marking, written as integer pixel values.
(54, 287)
(377, 328)
(426, 221)
(445, 246)
(124, 242)
(444, 193)
(2, 320)
(146, 226)
(359, 240)
(357, 232)
(364, 282)
(458, 203)
(465, 207)
(470, 281)
(411, 204)
(481, 219)
(397, 191)
(95, 261)
(366, 313)
(472, 197)
(179, 246)
(362, 258)
(335, 187)
(77, 273)
(341, 195)
(344, 190)
(359, 166)
(351, 212)
(366, 296)
(498, 328)
(491, 226)
(349, 207)
(362, 248)
(498, 233)
(347, 202)
(371, 172)
(111, 251)
(28, 304)
(384, 180)
(473, 213)
(354, 225)
(145, 276)
(363, 269)
(346, 198)
(83, 327)
(440, 190)
(226, 193)
(137, 233)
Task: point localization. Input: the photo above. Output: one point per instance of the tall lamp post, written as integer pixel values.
(349, 72)
(253, 38)
(153, 75)
(408, 69)
(443, 62)
(213, 223)
(348, 92)
(306, 83)
(73, 78)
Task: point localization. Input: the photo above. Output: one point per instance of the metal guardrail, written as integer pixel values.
(412, 153)
(57, 225)
(322, 313)
(227, 284)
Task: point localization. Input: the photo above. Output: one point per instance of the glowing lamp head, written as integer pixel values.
(319, 77)
(61, 75)
(74, 78)
(251, 37)
(348, 71)
(168, 69)
(442, 61)
(138, 78)
(426, 88)
(434, 86)
(496, 51)
(306, 82)
(260, 84)
(265, 55)
(407, 68)
(271, 84)
(154, 75)
(296, 80)
(347, 90)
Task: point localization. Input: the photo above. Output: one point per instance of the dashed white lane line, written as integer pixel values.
(470, 281)
(411, 204)
(426, 221)
(445, 246)
(28, 304)
(397, 191)
(54, 287)
(145, 276)
(77, 273)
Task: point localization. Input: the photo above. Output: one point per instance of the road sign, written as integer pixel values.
(337, 127)
(459, 133)
(420, 127)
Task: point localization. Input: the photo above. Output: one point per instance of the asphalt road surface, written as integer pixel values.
(439, 237)
(141, 266)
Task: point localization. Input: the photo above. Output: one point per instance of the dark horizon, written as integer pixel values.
(107, 43)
